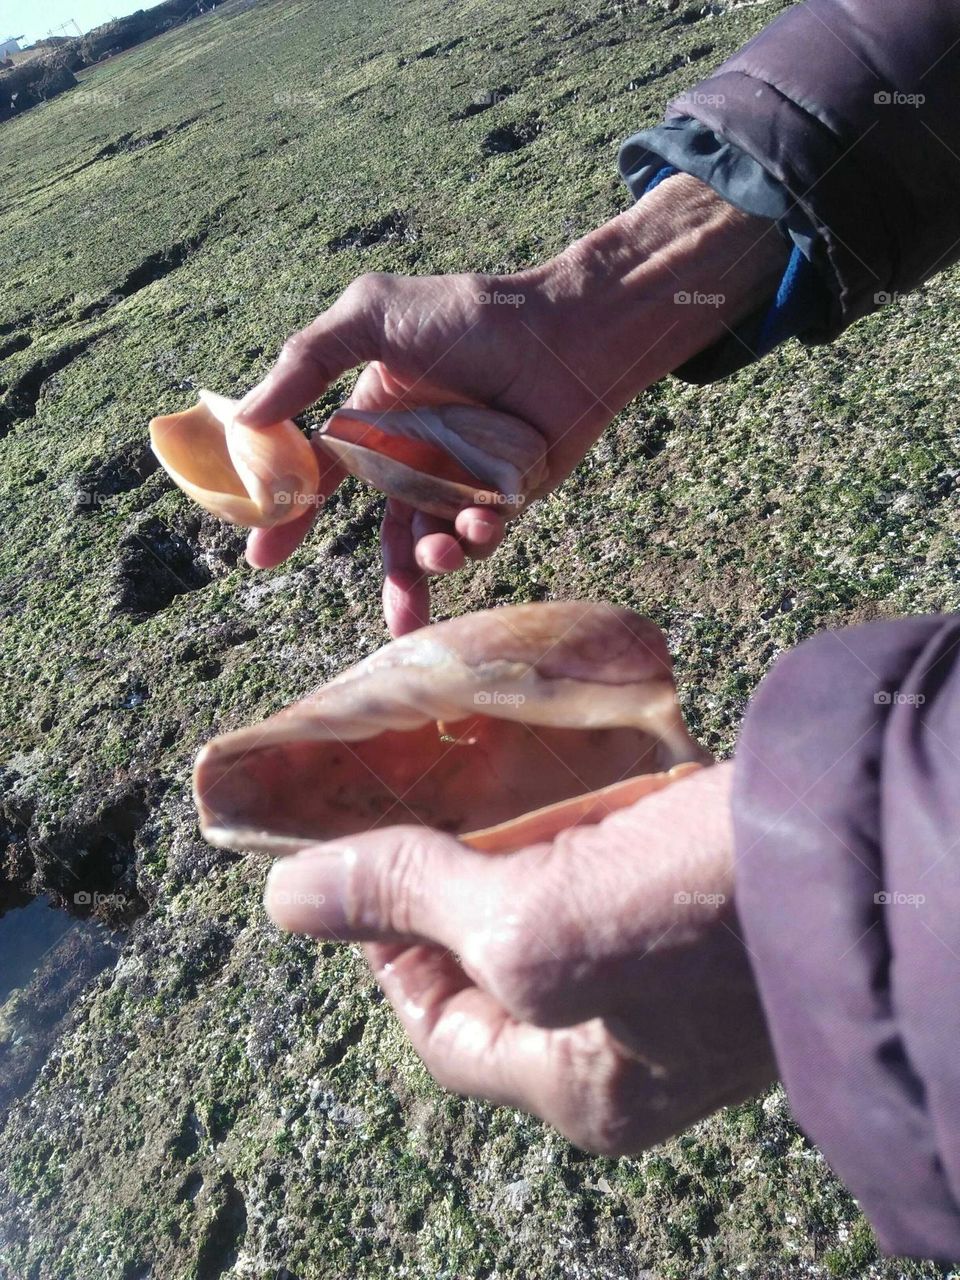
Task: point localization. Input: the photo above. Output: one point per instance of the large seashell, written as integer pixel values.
(502, 727)
(258, 477)
(440, 459)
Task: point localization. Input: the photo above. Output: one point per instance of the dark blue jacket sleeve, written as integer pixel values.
(842, 118)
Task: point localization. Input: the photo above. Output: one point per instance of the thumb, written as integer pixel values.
(345, 335)
(395, 885)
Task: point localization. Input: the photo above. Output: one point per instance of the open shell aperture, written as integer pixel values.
(441, 459)
(502, 728)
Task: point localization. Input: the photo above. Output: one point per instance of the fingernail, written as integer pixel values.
(480, 532)
(304, 893)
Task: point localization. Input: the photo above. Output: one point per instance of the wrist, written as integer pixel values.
(645, 292)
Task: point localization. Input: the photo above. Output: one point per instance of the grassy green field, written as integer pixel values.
(229, 1102)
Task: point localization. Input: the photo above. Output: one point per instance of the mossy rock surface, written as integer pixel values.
(223, 1101)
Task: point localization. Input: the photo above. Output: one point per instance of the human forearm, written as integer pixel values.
(638, 296)
(847, 109)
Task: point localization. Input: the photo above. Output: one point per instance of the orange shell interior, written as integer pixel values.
(419, 455)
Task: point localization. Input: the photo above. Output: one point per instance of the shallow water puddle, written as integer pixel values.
(48, 958)
(26, 934)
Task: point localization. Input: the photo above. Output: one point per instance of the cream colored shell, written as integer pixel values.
(253, 476)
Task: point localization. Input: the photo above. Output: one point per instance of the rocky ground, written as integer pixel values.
(202, 1097)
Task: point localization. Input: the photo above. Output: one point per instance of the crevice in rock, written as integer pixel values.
(491, 98)
(186, 1141)
(674, 64)
(130, 142)
(224, 1234)
(653, 435)
(433, 50)
(17, 866)
(156, 565)
(687, 17)
(24, 392)
(191, 1186)
(357, 531)
(158, 265)
(390, 229)
(126, 143)
(136, 1269)
(337, 1050)
(511, 137)
(123, 472)
(19, 342)
(89, 863)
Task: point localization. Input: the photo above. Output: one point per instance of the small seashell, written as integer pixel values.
(258, 477)
(440, 459)
(503, 728)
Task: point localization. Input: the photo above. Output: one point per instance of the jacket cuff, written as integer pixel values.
(846, 820)
(802, 302)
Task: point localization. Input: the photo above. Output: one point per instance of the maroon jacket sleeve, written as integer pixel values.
(854, 105)
(847, 822)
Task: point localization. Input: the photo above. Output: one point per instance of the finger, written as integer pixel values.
(378, 387)
(468, 1042)
(401, 884)
(580, 1079)
(436, 550)
(542, 929)
(406, 593)
(345, 335)
(480, 530)
(266, 548)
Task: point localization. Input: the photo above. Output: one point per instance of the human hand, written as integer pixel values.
(598, 981)
(561, 347)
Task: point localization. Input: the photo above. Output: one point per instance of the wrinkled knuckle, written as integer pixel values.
(369, 289)
(601, 1113)
(398, 885)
